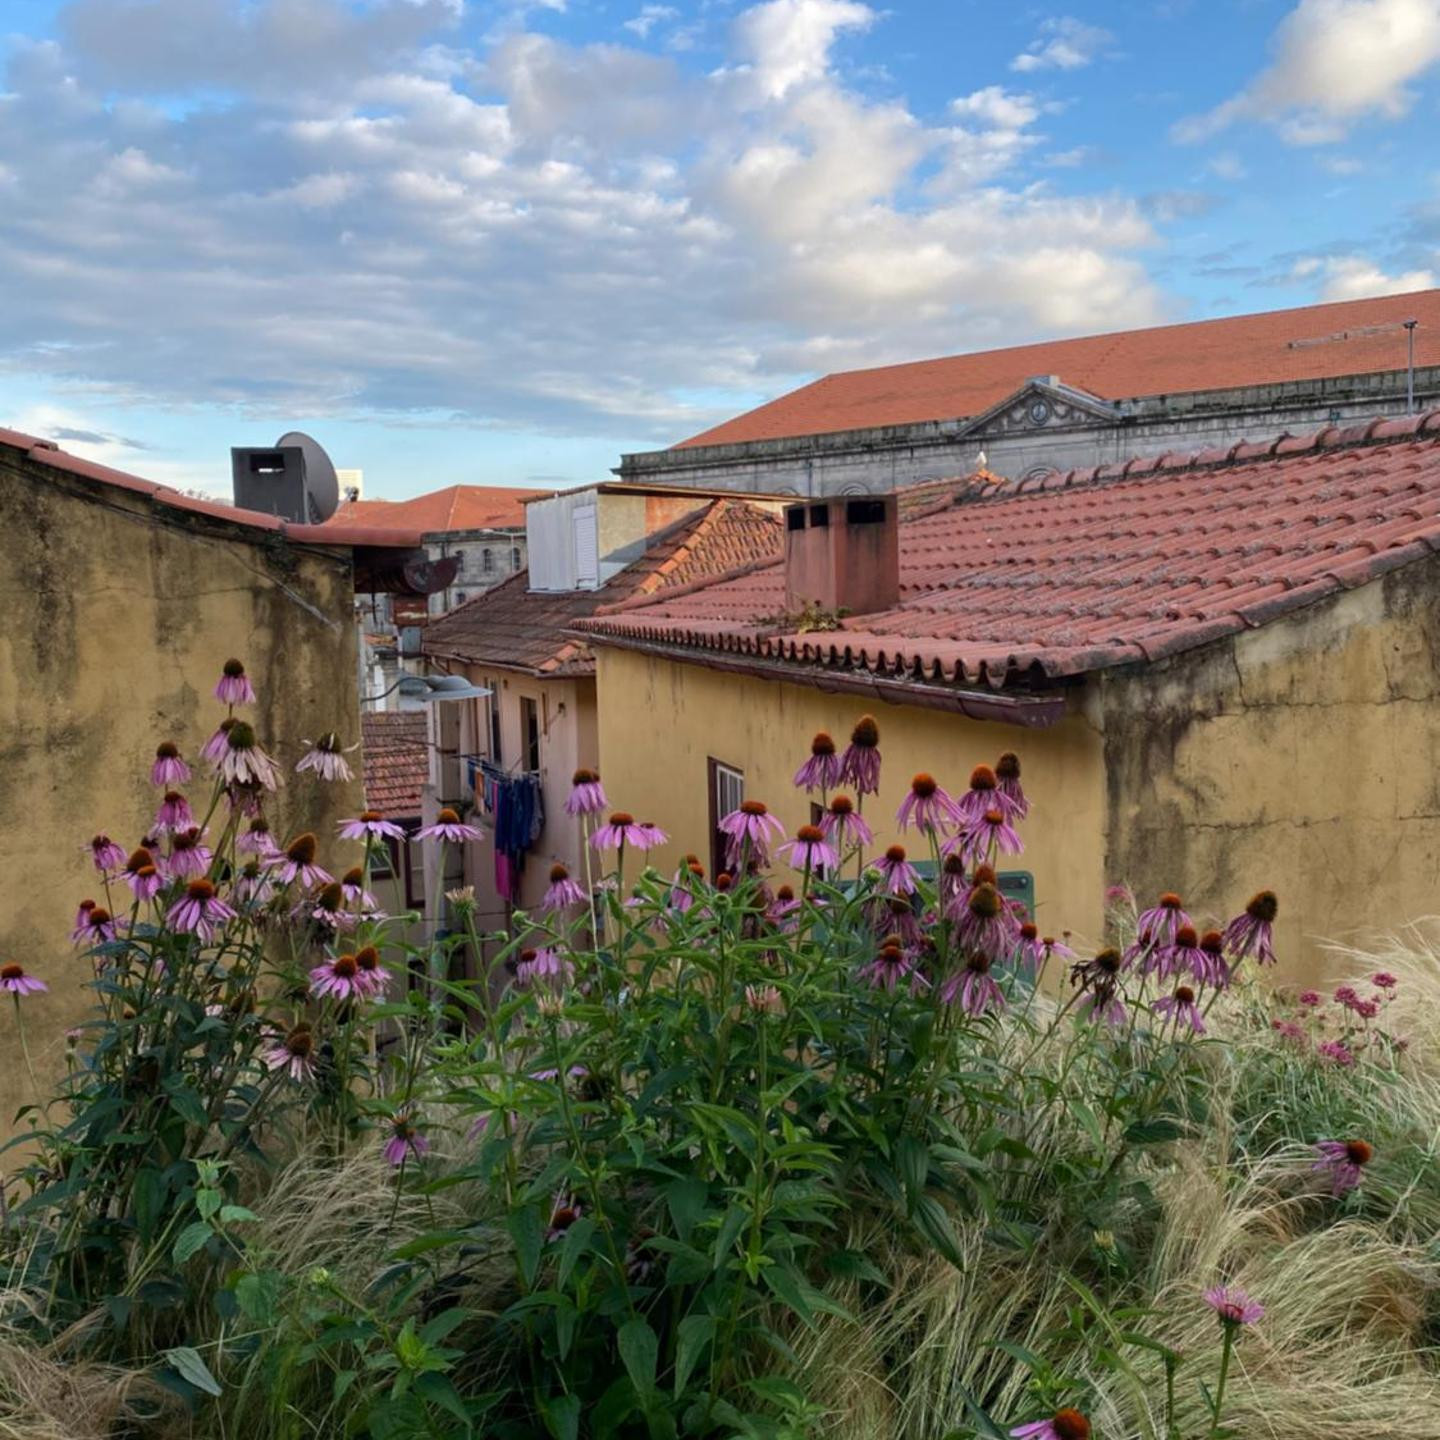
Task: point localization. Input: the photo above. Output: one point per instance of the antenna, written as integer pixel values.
(321, 485)
(1410, 368)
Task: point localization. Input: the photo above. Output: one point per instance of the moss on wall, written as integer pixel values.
(118, 617)
(1301, 757)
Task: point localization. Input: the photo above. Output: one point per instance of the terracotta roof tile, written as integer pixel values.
(1315, 342)
(513, 627)
(395, 748)
(1094, 569)
(457, 507)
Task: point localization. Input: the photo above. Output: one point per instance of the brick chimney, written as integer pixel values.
(843, 554)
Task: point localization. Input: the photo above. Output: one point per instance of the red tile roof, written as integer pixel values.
(457, 507)
(516, 628)
(1076, 572)
(1351, 337)
(397, 763)
(47, 453)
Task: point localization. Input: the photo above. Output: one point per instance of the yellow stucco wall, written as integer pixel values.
(1303, 757)
(660, 722)
(116, 628)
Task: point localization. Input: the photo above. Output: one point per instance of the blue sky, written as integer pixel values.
(506, 242)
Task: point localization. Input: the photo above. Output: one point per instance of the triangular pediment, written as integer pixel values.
(1047, 404)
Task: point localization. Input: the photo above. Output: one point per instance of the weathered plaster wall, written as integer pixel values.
(660, 721)
(116, 627)
(1303, 757)
(567, 741)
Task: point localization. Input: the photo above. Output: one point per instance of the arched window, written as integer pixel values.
(487, 561)
(514, 557)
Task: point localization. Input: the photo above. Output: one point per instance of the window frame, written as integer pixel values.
(715, 771)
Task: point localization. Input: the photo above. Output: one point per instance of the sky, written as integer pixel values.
(506, 241)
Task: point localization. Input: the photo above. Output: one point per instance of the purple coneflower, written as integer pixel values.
(1183, 954)
(1007, 776)
(566, 1210)
(1182, 1009)
(783, 906)
(1029, 950)
(986, 924)
(1157, 925)
(213, 750)
(169, 768)
(563, 890)
(174, 813)
(843, 825)
(654, 835)
(353, 891)
(983, 796)
(244, 763)
(764, 999)
(297, 862)
(898, 876)
(1344, 1162)
(327, 907)
(1062, 1425)
(889, 968)
(370, 973)
(293, 1053)
(450, 828)
(326, 758)
(927, 804)
(189, 856)
(106, 854)
(143, 875)
(94, 924)
(371, 825)
(1233, 1306)
(810, 850)
(255, 885)
(199, 911)
(991, 834)
(256, 839)
(860, 764)
(587, 794)
(543, 966)
(689, 874)
(234, 687)
(1105, 1007)
(974, 988)
(1049, 946)
(405, 1142)
(14, 979)
(339, 977)
(1252, 933)
(749, 831)
(620, 831)
(823, 769)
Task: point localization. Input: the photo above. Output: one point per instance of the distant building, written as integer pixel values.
(514, 753)
(1067, 404)
(1221, 672)
(481, 528)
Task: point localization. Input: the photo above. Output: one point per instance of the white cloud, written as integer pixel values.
(1354, 277)
(516, 232)
(1064, 43)
(788, 42)
(1334, 62)
(649, 17)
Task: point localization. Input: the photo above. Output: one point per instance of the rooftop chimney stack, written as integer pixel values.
(843, 554)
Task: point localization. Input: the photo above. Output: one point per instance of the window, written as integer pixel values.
(459, 555)
(415, 873)
(459, 597)
(494, 704)
(383, 860)
(487, 561)
(727, 790)
(514, 557)
(530, 733)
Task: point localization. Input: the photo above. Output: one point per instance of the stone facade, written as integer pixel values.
(1045, 425)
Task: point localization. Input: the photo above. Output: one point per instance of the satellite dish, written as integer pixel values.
(322, 487)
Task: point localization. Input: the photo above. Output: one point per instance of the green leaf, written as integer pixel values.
(933, 1222)
(787, 1287)
(258, 1295)
(1153, 1132)
(438, 1390)
(236, 1215)
(1089, 1121)
(434, 1331)
(912, 1158)
(190, 1241)
(186, 1103)
(207, 1202)
(730, 1228)
(640, 1351)
(527, 1230)
(577, 1239)
(562, 1416)
(694, 1333)
(148, 1195)
(686, 1199)
(191, 1368)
